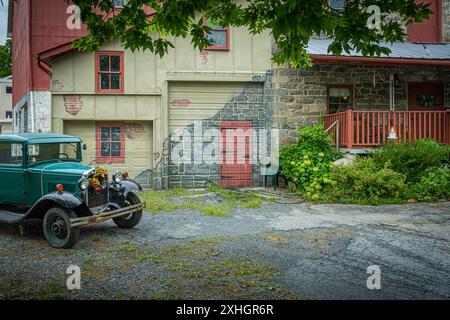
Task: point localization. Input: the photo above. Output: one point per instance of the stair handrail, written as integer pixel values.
(336, 124)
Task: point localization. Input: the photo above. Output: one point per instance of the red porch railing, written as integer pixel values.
(371, 128)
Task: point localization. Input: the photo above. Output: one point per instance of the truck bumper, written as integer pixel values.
(83, 221)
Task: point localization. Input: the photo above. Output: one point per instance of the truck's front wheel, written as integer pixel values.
(57, 228)
(132, 219)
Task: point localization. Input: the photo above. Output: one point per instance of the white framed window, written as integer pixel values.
(119, 3)
(337, 4)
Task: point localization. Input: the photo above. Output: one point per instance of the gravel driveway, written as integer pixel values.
(279, 251)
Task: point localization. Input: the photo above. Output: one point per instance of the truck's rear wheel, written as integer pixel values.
(131, 220)
(57, 228)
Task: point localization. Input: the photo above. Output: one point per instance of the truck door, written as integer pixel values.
(12, 178)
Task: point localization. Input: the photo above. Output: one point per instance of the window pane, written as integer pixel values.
(10, 153)
(335, 108)
(115, 81)
(337, 4)
(104, 63)
(104, 81)
(119, 3)
(221, 39)
(115, 63)
(334, 100)
(115, 149)
(8, 90)
(106, 134)
(115, 134)
(105, 149)
(211, 38)
(210, 24)
(339, 92)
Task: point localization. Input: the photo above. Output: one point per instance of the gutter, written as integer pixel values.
(30, 72)
(316, 58)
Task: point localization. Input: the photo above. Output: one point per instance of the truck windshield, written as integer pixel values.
(53, 151)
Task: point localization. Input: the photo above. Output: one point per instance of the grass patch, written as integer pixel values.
(227, 200)
(217, 210)
(214, 273)
(126, 247)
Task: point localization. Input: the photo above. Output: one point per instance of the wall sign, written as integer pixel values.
(204, 57)
(180, 103)
(57, 85)
(73, 104)
(134, 130)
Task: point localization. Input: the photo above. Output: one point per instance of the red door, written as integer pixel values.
(426, 96)
(236, 159)
(428, 31)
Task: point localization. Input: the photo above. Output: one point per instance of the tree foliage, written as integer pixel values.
(5, 59)
(291, 22)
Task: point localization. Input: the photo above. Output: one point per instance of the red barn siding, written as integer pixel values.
(21, 49)
(428, 31)
(37, 26)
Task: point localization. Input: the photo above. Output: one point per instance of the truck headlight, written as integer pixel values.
(83, 184)
(118, 177)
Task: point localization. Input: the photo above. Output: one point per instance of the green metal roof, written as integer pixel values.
(33, 138)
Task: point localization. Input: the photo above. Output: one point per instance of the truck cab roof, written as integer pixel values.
(37, 138)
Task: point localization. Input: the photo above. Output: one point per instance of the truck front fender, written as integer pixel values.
(118, 192)
(64, 200)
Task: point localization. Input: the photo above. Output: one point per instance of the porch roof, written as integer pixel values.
(401, 53)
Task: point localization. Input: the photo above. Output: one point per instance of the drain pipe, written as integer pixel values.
(30, 74)
(32, 111)
(392, 92)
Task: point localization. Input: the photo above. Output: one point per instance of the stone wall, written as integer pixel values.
(446, 21)
(253, 104)
(40, 105)
(300, 95)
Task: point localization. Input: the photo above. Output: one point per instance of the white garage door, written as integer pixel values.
(193, 101)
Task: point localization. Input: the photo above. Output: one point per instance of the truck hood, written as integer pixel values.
(63, 168)
(49, 174)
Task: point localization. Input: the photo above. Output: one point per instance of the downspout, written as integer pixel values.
(31, 110)
(392, 92)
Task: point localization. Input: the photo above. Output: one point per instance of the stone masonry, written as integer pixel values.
(253, 104)
(40, 106)
(446, 21)
(300, 95)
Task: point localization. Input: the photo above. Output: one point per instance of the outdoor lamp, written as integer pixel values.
(392, 134)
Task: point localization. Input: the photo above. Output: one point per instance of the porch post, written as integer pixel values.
(350, 128)
(447, 127)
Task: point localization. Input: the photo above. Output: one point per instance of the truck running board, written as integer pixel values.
(10, 217)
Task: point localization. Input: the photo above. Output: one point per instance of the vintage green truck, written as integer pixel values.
(42, 177)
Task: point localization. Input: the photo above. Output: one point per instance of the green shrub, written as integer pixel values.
(365, 183)
(433, 185)
(307, 163)
(412, 158)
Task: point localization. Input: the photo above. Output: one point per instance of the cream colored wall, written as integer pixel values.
(146, 73)
(147, 78)
(5, 99)
(6, 127)
(138, 146)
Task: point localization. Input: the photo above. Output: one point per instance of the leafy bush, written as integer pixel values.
(307, 163)
(433, 185)
(412, 158)
(365, 183)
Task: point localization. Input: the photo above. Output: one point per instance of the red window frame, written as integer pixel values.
(218, 48)
(98, 88)
(331, 86)
(98, 139)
